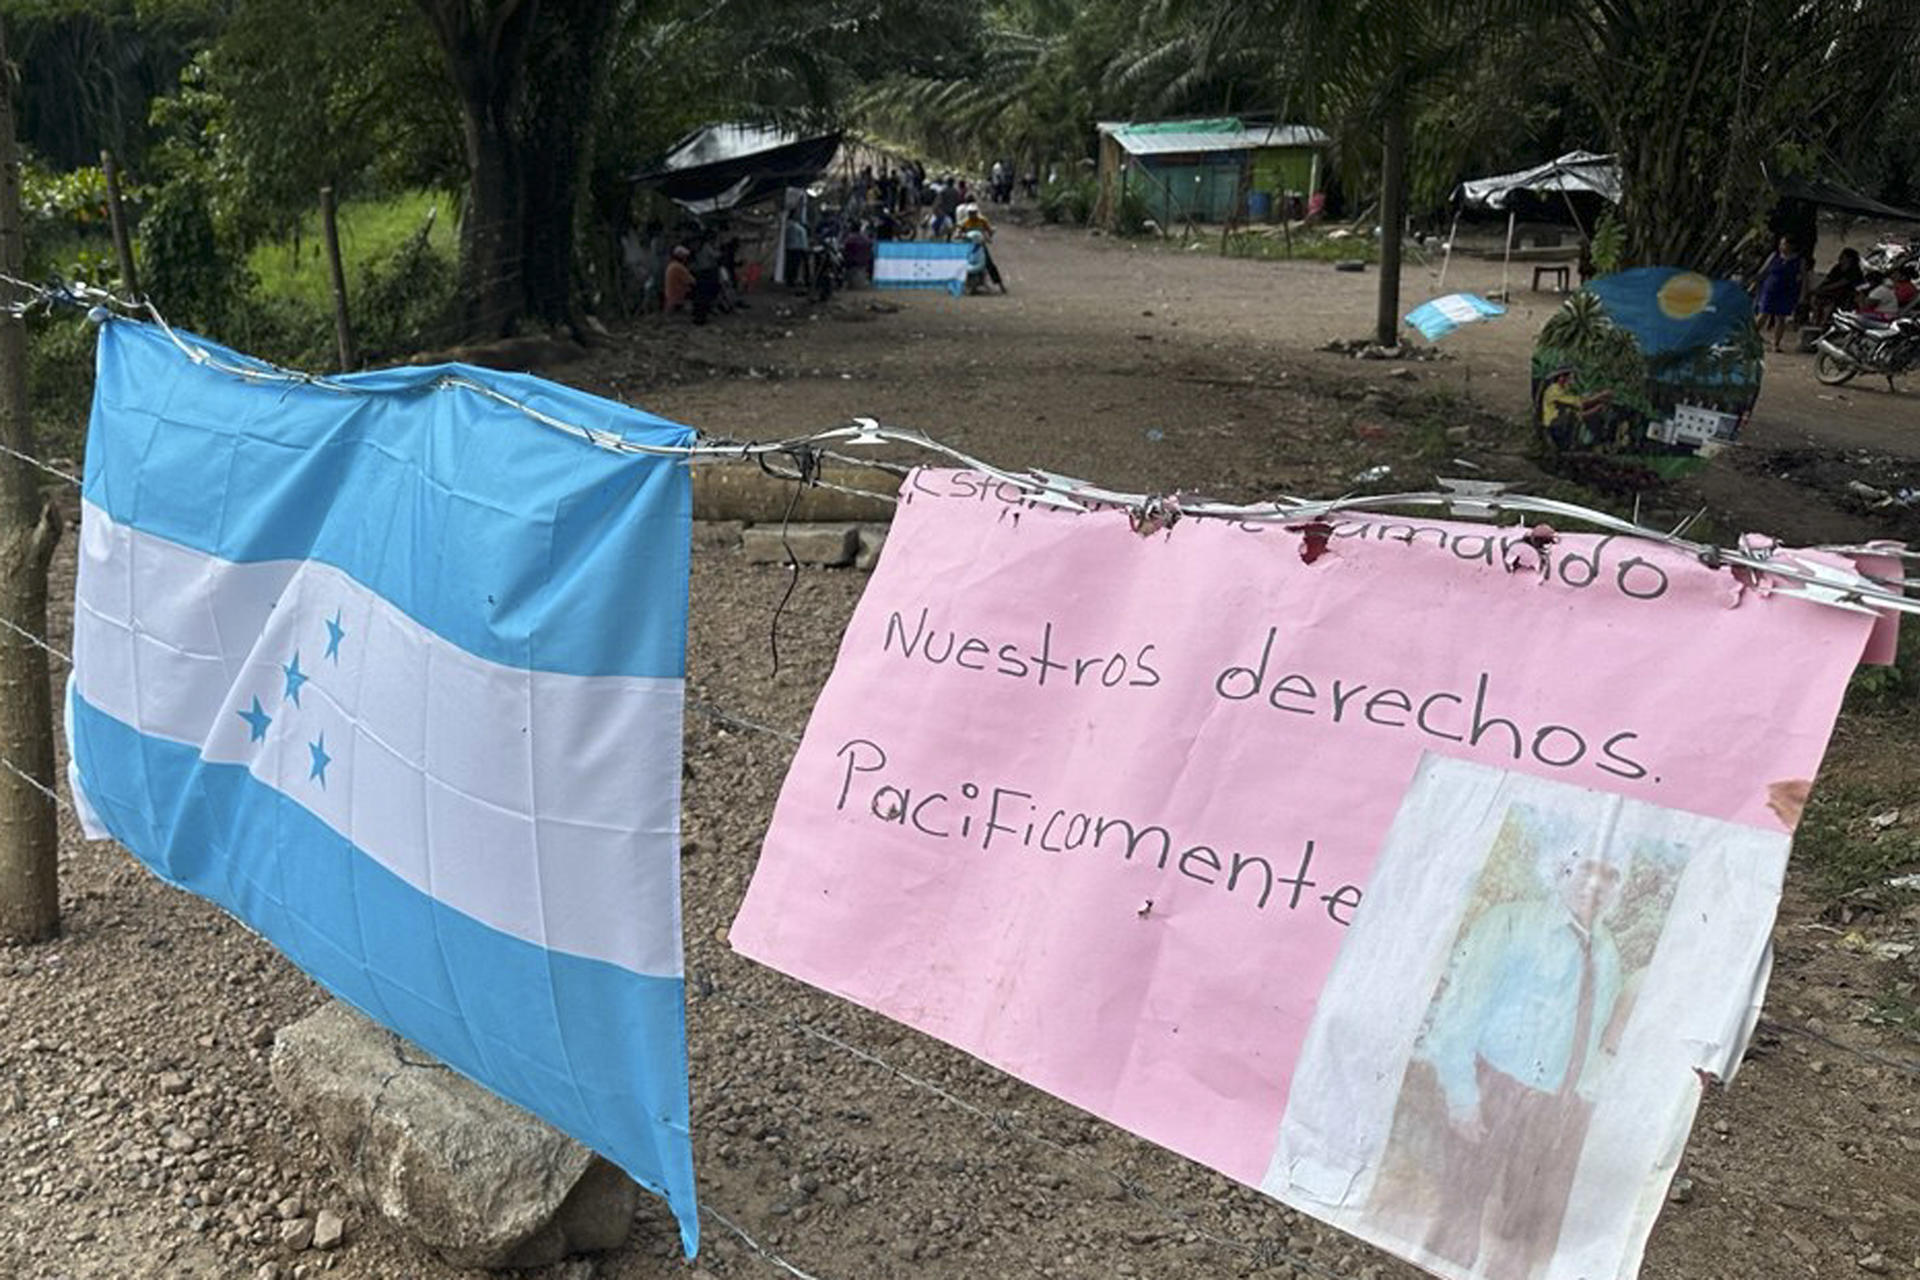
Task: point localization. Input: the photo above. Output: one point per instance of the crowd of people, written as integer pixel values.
(697, 269)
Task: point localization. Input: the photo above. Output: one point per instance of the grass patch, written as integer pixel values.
(371, 231)
(1840, 845)
(1897, 1010)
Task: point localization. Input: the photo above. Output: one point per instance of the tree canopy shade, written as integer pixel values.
(1704, 98)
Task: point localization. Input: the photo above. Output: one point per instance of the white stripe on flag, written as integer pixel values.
(550, 802)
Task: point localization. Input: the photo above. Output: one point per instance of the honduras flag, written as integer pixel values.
(1441, 316)
(394, 674)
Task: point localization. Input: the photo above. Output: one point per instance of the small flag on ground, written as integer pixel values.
(1441, 316)
(395, 676)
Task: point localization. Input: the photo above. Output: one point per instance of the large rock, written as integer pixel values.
(475, 1179)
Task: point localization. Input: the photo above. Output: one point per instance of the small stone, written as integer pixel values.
(268, 1271)
(827, 545)
(289, 1209)
(297, 1234)
(173, 1084)
(329, 1230)
(1681, 1191)
(1403, 374)
(1874, 1262)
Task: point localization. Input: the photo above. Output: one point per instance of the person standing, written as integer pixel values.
(795, 240)
(1517, 1036)
(1778, 289)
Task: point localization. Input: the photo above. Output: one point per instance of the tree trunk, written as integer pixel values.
(565, 70)
(485, 47)
(491, 231)
(29, 836)
(1393, 216)
(528, 73)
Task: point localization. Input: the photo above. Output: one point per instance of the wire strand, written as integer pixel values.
(36, 784)
(36, 463)
(763, 1251)
(34, 640)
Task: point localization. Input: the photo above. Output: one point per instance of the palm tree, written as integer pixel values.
(1369, 71)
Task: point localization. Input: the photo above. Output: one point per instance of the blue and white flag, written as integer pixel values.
(921, 264)
(395, 674)
(1441, 316)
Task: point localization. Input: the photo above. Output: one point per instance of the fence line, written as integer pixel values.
(762, 1251)
(1047, 489)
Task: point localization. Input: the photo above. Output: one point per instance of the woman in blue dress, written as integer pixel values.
(1778, 288)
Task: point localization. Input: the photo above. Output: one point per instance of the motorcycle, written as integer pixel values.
(1888, 256)
(1855, 344)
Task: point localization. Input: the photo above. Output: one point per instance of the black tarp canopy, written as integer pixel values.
(1831, 195)
(724, 166)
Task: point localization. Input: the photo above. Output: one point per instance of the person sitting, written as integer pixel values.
(857, 254)
(1840, 288)
(1890, 297)
(679, 282)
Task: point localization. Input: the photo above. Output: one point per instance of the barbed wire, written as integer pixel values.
(34, 640)
(36, 463)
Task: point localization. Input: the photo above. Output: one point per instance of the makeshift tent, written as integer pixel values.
(1831, 195)
(1205, 170)
(1577, 171)
(724, 166)
(1584, 173)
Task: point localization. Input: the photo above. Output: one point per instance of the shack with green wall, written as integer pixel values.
(1212, 170)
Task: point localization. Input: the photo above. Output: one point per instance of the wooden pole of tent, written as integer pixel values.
(1506, 294)
(1446, 259)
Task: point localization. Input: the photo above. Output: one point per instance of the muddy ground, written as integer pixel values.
(140, 1136)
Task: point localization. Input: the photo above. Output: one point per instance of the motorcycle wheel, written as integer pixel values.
(1829, 372)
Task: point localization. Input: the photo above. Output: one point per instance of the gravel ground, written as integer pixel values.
(140, 1135)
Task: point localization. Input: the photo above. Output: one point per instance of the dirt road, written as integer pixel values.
(1132, 365)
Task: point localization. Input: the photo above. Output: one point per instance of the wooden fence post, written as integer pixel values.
(116, 211)
(29, 527)
(342, 331)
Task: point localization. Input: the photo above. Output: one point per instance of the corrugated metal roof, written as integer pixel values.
(1185, 137)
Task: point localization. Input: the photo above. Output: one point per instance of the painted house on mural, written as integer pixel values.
(1208, 170)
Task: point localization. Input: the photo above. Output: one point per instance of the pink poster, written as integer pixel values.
(1410, 881)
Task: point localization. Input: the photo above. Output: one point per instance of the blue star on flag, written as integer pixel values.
(335, 633)
(320, 759)
(295, 678)
(257, 721)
